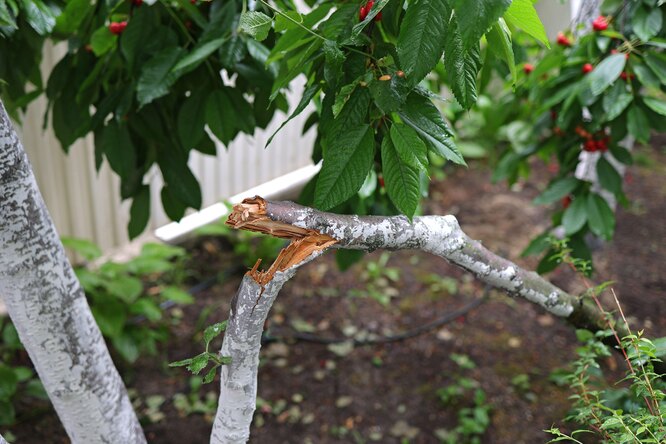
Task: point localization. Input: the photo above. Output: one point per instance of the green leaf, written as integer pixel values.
(557, 190)
(7, 412)
(462, 66)
(156, 76)
(110, 317)
(173, 207)
(139, 212)
(575, 216)
(282, 23)
(656, 105)
(335, 58)
(198, 363)
(646, 22)
(605, 73)
(176, 294)
(420, 113)
(178, 177)
(389, 95)
(346, 164)
(213, 331)
(600, 217)
(521, 14)
(126, 288)
(476, 16)
(220, 116)
(181, 363)
(422, 37)
(127, 347)
(89, 250)
(537, 245)
(147, 308)
(346, 258)
(499, 42)
(210, 376)
(101, 41)
(638, 124)
(409, 146)
(294, 65)
(8, 382)
(6, 18)
(116, 144)
(657, 63)
(352, 114)
(192, 119)
(402, 180)
(39, 16)
(308, 94)
(71, 17)
(198, 54)
(254, 23)
(645, 75)
(616, 100)
(608, 176)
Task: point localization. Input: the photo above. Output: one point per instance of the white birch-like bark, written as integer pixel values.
(242, 342)
(2, 440)
(439, 235)
(48, 307)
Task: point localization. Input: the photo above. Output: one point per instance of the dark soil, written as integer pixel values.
(388, 393)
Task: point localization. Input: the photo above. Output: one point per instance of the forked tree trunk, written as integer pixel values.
(314, 231)
(49, 309)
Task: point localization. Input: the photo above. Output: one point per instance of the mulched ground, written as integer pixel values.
(387, 393)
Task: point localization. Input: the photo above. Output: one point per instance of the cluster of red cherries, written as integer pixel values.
(593, 142)
(365, 9)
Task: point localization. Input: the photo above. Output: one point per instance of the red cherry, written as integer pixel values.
(563, 40)
(380, 179)
(566, 201)
(600, 23)
(362, 13)
(590, 146)
(553, 114)
(378, 17)
(365, 10)
(602, 146)
(137, 2)
(400, 74)
(528, 68)
(587, 68)
(558, 131)
(117, 28)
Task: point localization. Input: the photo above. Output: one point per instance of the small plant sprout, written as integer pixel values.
(201, 361)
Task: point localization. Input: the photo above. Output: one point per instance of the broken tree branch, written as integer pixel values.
(249, 310)
(313, 231)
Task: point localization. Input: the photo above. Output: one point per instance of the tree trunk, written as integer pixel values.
(48, 307)
(242, 338)
(438, 235)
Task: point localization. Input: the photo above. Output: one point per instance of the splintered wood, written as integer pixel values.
(251, 215)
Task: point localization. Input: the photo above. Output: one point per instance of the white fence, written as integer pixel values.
(86, 204)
